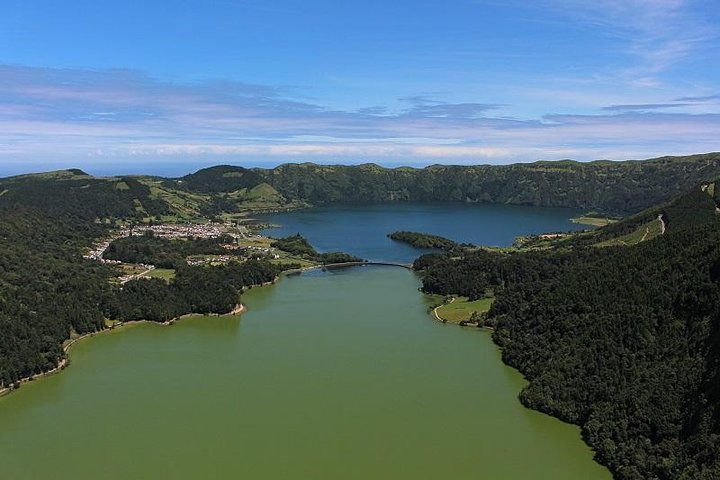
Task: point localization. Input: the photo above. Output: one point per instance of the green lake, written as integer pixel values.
(339, 374)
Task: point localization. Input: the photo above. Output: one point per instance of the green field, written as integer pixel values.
(283, 257)
(164, 273)
(132, 269)
(590, 219)
(461, 309)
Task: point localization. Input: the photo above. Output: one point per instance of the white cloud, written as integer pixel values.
(143, 118)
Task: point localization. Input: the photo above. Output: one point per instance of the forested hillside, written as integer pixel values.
(298, 245)
(74, 193)
(192, 290)
(611, 187)
(608, 187)
(221, 179)
(48, 291)
(621, 340)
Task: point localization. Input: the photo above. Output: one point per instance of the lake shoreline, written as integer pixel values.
(238, 309)
(64, 361)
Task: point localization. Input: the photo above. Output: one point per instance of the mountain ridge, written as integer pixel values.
(615, 188)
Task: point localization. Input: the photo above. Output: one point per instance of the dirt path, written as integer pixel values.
(137, 276)
(647, 231)
(662, 224)
(435, 313)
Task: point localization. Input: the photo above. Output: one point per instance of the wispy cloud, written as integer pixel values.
(76, 117)
(644, 106)
(700, 99)
(655, 35)
(423, 106)
(659, 32)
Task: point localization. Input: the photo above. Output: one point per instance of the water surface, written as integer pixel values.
(362, 229)
(337, 374)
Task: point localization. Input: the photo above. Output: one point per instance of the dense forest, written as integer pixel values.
(610, 187)
(299, 246)
(164, 252)
(423, 240)
(622, 341)
(193, 290)
(73, 193)
(220, 179)
(48, 290)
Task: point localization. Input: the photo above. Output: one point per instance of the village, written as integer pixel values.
(241, 238)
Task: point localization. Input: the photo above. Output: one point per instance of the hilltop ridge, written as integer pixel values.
(616, 188)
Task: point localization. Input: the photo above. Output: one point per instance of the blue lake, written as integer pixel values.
(362, 229)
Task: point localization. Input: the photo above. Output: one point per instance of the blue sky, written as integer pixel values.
(168, 86)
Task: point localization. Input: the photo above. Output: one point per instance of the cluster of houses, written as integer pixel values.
(98, 250)
(250, 252)
(197, 230)
(264, 250)
(210, 260)
(184, 231)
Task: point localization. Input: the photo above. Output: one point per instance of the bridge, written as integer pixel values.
(355, 264)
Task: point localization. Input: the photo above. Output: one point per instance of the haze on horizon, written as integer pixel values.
(169, 86)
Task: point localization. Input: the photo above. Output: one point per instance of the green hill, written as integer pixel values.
(220, 179)
(697, 207)
(609, 187)
(618, 188)
(604, 186)
(82, 196)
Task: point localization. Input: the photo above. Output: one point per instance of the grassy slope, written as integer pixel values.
(595, 221)
(461, 309)
(698, 206)
(183, 205)
(646, 231)
(166, 274)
